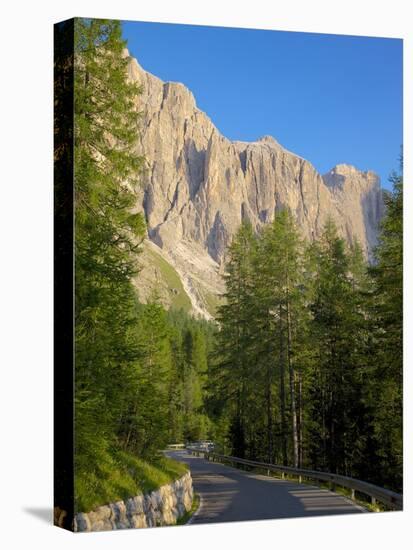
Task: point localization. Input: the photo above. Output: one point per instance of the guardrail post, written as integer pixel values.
(353, 494)
(373, 501)
(282, 475)
(268, 473)
(300, 479)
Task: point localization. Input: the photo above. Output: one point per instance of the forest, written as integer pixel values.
(303, 364)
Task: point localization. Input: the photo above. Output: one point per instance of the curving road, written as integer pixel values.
(229, 494)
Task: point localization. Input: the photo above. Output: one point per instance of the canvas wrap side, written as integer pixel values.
(63, 275)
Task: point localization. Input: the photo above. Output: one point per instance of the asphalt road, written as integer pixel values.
(229, 494)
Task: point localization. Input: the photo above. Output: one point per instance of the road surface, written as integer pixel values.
(229, 494)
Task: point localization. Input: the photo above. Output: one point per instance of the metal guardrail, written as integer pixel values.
(390, 499)
(176, 446)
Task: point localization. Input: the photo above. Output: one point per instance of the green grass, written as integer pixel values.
(121, 476)
(179, 298)
(212, 302)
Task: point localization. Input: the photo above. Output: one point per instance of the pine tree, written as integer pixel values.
(232, 371)
(149, 426)
(107, 235)
(387, 395)
(338, 338)
(279, 308)
(190, 340)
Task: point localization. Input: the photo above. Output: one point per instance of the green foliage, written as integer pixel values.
(107, 236)
(386, 399)
(143, 419)
(191, 341)
(256, 354)
(338, 333)
(231, 370)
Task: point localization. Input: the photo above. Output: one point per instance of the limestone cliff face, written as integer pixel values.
(358, 199)
(199, 186)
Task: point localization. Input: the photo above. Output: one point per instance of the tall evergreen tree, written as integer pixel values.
(336, 333)
(234, 337)
(387, 275)
(279, 317)
(107, 233)
(149, 409)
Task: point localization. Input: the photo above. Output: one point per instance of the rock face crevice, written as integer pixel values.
(200, 186)
(162, 507)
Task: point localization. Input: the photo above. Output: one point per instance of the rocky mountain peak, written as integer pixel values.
(200, 186)
(346, 173)
(269, 140)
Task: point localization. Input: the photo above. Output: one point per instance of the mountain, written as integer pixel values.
(199, 186)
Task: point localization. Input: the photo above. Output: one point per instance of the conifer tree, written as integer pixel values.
(337, 337)
(234, 337)
(387, 275)
(107, 234)
(149, 427)
(279, 301)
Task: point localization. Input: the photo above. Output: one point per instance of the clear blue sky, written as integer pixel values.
(330, 99)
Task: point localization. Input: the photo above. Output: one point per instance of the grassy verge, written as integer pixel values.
(121, 476)
(187, 516)
(211, 301)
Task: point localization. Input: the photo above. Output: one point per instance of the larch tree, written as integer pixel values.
(107, 233)
(279, 305)
(387, 273)
(234, 335)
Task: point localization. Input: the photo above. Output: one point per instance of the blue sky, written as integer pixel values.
(330, 99)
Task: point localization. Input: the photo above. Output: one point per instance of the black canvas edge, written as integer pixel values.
(63, 275)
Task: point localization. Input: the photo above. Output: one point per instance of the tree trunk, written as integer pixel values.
(269, 413)
(300, 419)
(323, 421)
(282, 394)
(292, 383)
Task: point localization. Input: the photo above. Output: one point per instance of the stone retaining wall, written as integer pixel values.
(161, 507)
